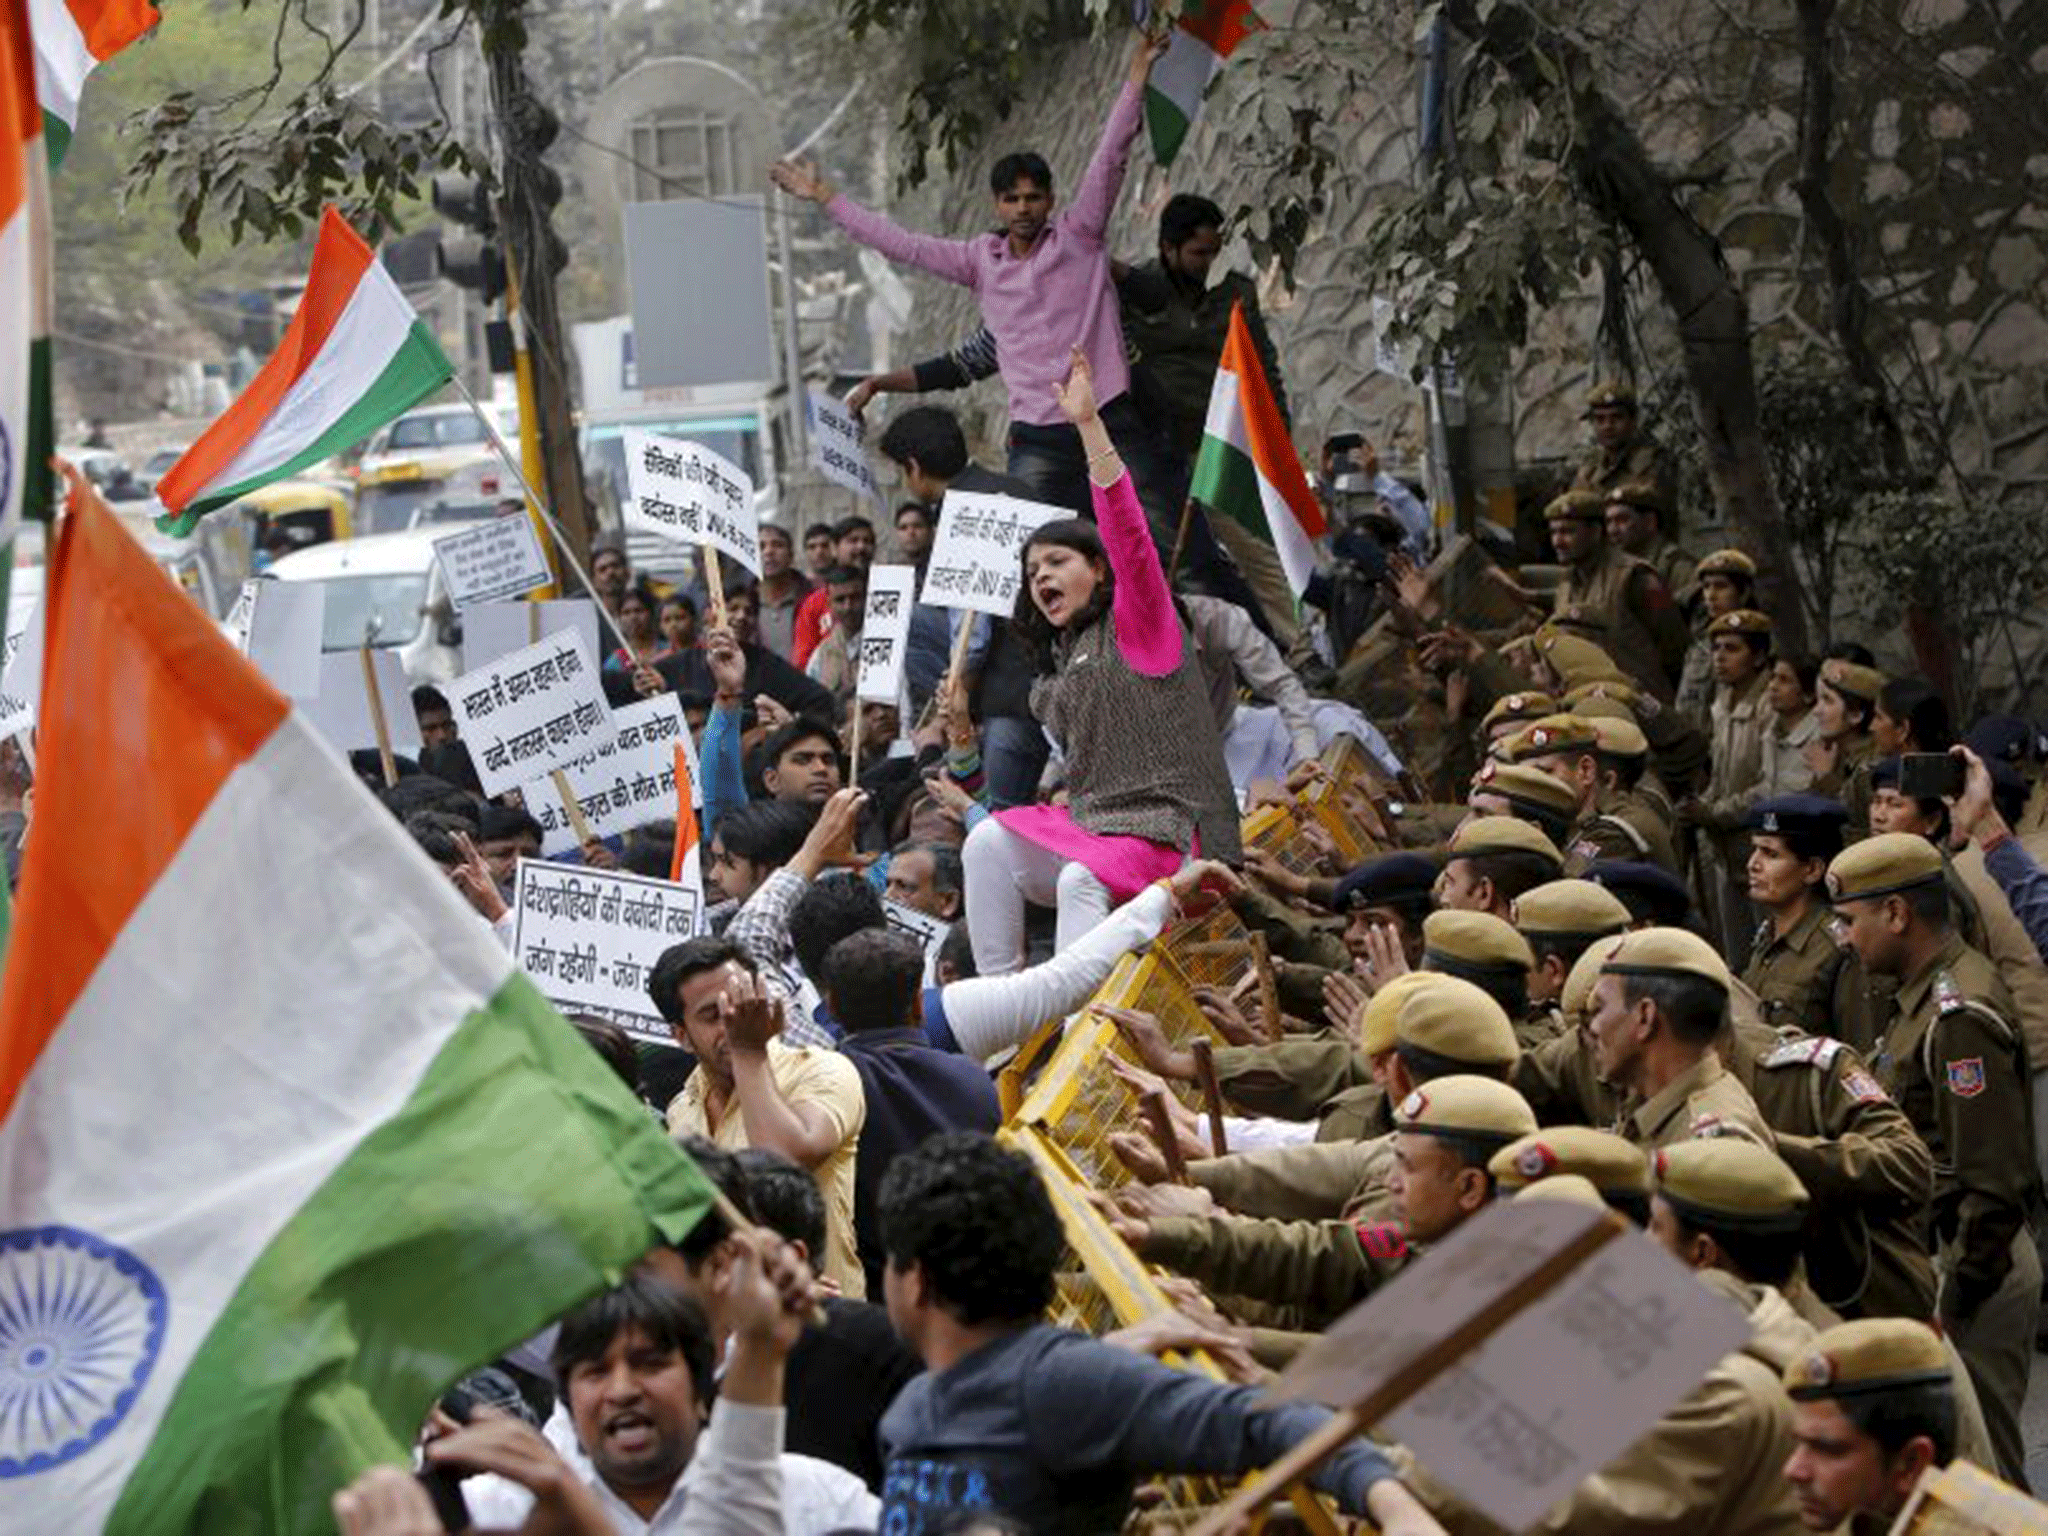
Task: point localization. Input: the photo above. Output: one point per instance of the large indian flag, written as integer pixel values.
(1207, 33)
(25, 439)
(355, 356)
(73, 38)
(1247, 468)
(286, 1144)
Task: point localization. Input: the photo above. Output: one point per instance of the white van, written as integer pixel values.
(394, 580)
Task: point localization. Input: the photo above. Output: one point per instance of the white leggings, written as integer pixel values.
(1004, 872)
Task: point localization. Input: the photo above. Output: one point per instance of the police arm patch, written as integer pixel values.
(1966, 1076)
(1382, 1239)
(1862, 1087)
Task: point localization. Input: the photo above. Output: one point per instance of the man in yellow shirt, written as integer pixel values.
(751, 1090)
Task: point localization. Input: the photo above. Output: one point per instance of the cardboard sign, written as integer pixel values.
(930, 932)
(278, 625)
(21, 667)
(492, 630)
(885, 632)
(626, 783)
(683, 491)
(978, 557)
(538, 709)
(589, 937)
(835, 447)
(498, 559)
(340, 707)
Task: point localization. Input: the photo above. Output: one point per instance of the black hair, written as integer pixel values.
(1632, 1203)
(1759, 645)
(839, 575)
(427, 697)
(423, 792)
(1031, 626)
(728, 1176)
(1896, 1415)
(1914, 704)
(1024, 165)
(1512, 871)
(1627, 771)
(1566, 948)
(765, 832)
(1184, 215)
(929, 434)
(956, 949)
(1849, 651)
(665, 1316)
(450, 762)
(817, 531)
(650, 850)
(778, 530)
(786, 1199)
(681, 599)
(873, 978)
(803, 728)
(1508, 987)
(1425, 1066)
(435, 832)
(837, 905)
(1763, 1258)
(613, 1044)
(1930, 904)
(976, 1218)
(1692, 1007)
(1805, 668)
(692, 957)
(948, 874)
(642, 592)
(1472, 1151)
(852, 523)
(500, 821)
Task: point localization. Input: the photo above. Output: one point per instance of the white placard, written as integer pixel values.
(930, 932)
(835, 447)
(588, 938)
(278, 625)
(494, 560)
(685, 492)
(538, 709)
(492, 630)
(623, 785)
(885, 632)
(21, 671)
(340, 707)
(978, 556)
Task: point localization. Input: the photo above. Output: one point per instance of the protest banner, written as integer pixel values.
(835, 447)
(21, 668)
(494, 630)
(538, 709)
(626, 783)
(885, 632)
(498, 559)
(930, 932)
(278, 626)
(589, 937)
(341, 707)
(977, 558)
(683, 491)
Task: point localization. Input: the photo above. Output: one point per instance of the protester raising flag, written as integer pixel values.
(1247, 468)
(1207, 33)
(286, 1144)
(25, 435)
(73, 38)
(355, 356)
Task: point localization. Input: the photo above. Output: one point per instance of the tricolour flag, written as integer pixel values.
(73, 38)
(686, 864)
(286, 1143)
(355, 356)
(1207, 33)
(1247, 468)
(25, 431)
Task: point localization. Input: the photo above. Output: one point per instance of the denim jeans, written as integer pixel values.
(1013, 757)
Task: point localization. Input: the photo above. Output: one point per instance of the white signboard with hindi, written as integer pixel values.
(278, 625)
(21, 669)
(588, 938)
(538, 709)
(836, 449)
(340, 708)
(930, 932)
(978, 557)
(498, 559)
(492, 630)
(885, 632)
(622, 785)
(683, 491)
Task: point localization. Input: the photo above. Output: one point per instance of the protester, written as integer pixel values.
(781, 591)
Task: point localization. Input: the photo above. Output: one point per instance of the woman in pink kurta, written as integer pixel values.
(1146, 784)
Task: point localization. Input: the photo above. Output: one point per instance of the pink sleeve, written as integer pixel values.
(950, 259)
(1147, 628)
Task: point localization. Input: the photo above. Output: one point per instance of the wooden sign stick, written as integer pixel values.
(1212, 1092)
(853, 772)
(375, 697)
(730, 1215)
(714, 584)
(577, 822)
(960, 643)
(1159, 1120)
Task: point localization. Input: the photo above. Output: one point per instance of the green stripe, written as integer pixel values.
(416, 370)
(56, 138)
(37, 478)
(1167, 125)
(519, 1178)
(1227, 481)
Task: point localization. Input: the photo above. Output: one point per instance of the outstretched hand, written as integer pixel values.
(1077, 394)
(800, 178)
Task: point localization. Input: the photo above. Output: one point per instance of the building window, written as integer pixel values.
(683, 152)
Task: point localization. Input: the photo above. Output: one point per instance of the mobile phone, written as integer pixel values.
(444, 1484)
(1930, 775)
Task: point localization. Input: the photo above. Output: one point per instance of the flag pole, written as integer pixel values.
(546, 517)
(1180, 538)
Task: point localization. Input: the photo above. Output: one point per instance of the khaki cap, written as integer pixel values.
(1477, 939)
(1518, 706)
(1563, 1186)
(1742, 621)
(1864, 683)
(1456, 1020)
(1664, 952)
(1501, 834)
(1727, 1181)
(1577, 994)
(1464, 1105)
(1578, 660)
(1872, 1354)
(1611, 392)
(1882, 865)
(1609, 1163)
(1383, 1009)
(1553, 734)
(1619, 734)
(1576, 506)
(1726, 562)
(1637, 493)
(1526, 789)
(1568, 909)
(1613, 689)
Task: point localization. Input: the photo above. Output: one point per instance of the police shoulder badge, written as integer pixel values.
(1948, 997)
(1966, 1076)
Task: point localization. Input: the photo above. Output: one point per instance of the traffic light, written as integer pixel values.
(470, 256)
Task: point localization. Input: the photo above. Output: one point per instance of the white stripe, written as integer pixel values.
(17, 306)
(62, 59)
(1226, 417)
(1226, 422)
(372, 327)
(1185, 71)
(278, 994)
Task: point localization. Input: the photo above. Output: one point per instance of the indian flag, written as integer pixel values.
(286, 1144)
(685, 866)
(354, 357)
(73, 38)
(1247, 468)
(25, 435)
(1207, 33)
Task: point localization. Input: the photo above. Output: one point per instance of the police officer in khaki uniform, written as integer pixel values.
(1741, 714)
(1623, 453)
(1953, 1058)
(1645, 633)
(1844, 699)
(1492, 859)
(1680, 753)
(1618, 1170)
(1640, 523)
(1725, 1203)
(1610, 823)
(1722, 582)
(1528, 794)
(1487, 951)
(1803, 979)
(1511, 711)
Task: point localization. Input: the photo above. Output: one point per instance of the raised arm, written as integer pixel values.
(951, 259)
(1095, 199)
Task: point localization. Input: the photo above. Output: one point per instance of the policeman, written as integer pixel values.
(1741, 714)
(1639, 523)
(1722, 582)
(1725, 1203)
(1645, 633)
(1487, 951)
(1953, 1058)
(1511, 711)
(1654, 896)
(1611, 822)
(1844, 700)
(1507, 789)
(1803, 979)
(1491, 860)
(1623, 453)
(1614, 1167)
(1559, 921)
(1679, 749)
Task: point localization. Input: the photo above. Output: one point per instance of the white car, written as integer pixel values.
(393, 581)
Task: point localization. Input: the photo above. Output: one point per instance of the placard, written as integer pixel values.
(540, 708)
(685, 492)
(278, 625)
(492, 630)
(930, 932)
(498, 559)
(589, 937)
(978, 557)
(885, 632)
(835, 447)
(340, 707)
(21, 667)
(624, 784)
